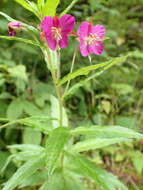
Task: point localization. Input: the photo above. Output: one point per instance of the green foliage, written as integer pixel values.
(94, 110)
(86, 70)
(54, 147)
(49, 8)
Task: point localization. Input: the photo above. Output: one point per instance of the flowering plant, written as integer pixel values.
(60, 160)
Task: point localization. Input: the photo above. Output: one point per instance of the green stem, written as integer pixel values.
(71, 70)
(55, 76)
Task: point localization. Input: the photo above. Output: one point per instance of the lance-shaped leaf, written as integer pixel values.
(21, 40)
(24, 172)
(107, 132)
(49, 8)
(54, 147)
(81, 83)
(96, 143)
(86, 168)
(86, 70)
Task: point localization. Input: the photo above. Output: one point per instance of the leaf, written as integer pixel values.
(21, 40)
(13, 113)
(137, 159)
(36, 179)
(19, 72)
(29, 6)
(92, 144)
(86, 168)
(49, 8)
(81, 83)
(107, 131)
(63, 180)
(54, 147)
(40, 3)
(31, 137)
(86, 70)
(28, 147)
(10, 19)
(31, 109)
(24, 172)
(55, 112)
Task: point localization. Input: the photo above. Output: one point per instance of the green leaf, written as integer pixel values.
(28, 147)
(31, 6)
(49, 9)
(54, 147)
(55, 113)
(31, 137)
(137, 159)
(10, 19)
(19, 72)
(86, 168)
(86, 70)
(36, 179)
(63, 180)
(21, 40)
(92, 144)
(24, 172)
(107, 131)
(81, 83)
(40, 3)
(13, 113)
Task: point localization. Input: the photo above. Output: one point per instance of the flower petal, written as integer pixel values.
(52, 43)
(96, 48)
(84, 48)
(63, 43)
(67, 23)
(99, 30)
(47, 24)
(84, 29)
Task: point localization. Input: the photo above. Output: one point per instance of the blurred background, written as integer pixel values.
(114, 98)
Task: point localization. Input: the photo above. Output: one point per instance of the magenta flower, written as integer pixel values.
(90, 38)
(13, 26)
(57, 30)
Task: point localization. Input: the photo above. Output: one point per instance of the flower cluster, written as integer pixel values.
(57, 31)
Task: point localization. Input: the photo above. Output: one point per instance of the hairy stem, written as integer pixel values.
(55, 76)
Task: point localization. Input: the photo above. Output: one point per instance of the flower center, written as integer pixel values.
(56, 33)
(91, 39)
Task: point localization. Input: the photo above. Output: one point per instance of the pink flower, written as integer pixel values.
(13, 26)
(90, 38)
(56, 30)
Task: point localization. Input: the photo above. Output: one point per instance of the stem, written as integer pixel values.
(69, 7)
(72, 66)
(55, 76)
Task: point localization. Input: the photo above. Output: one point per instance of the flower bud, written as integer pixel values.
(13, 26)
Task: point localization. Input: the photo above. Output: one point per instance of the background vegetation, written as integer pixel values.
(113, 98)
